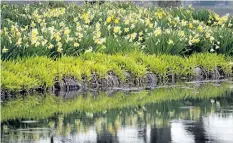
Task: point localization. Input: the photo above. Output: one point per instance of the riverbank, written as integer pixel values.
(97, 70)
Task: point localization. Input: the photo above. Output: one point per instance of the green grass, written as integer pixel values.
(34, 72)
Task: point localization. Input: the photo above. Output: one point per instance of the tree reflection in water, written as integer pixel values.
(181, 120)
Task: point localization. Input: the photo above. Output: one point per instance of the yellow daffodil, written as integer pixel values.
(200, 28)
(150, 25)
(62, 24)
(67, 31)
(59, 44)
(57, 36)
(68, 39)
(59, 49)
(75, 19)
(190, 25)
(211, 39)
(116, 21)
(133, 36)
(140, 33)
(140, 38)
(108, 20)
(34, 40)
(98, 34)
(170, 42)
(195, 40)
(33, 24)
(89, 50)
(18, 34)
(127, 22)
(76, 44)
(207, 35)
(229, 25)
(4, 50)
(126, 30)
(181, 33)
(34, 32)
(38, 20)
(132, 26)
(19, 42)
(37, 44)
(44, 42)
(85, 16)
(157, 31)
(50, 46)
(183, 23)
(43, 24)
(116, 29)
(43, 30)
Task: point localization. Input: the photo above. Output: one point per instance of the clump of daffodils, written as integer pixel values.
(76, 28)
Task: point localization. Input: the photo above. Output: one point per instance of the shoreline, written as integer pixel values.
(101, 71)
(111, 81)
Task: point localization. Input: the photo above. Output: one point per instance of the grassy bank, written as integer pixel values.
(41, 107)
(55, 29)
(35, 72)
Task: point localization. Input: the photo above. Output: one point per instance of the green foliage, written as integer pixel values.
(225, 42)
(167, 43)
(117, 45)
(68, 29)
(203, 15)
(42, 71)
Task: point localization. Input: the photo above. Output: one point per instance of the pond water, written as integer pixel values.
(190, 113)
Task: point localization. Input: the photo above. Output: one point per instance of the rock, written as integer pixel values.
(59, 85)
(199, 73)
(151, 79)
(94, 81)
(103, 82)
(67, 83)
(84, 83)
(112, 80)
(217, 73)
(129, 79)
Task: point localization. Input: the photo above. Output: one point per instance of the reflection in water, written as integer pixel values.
(180, 134)
(219, 127)
(187, 119)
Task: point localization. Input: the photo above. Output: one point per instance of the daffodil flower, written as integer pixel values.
(170, 42)
(50, 46)
(108, 20)
(89, 50)
(4, 50)
(76, 44)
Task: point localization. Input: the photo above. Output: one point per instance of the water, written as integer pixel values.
(170, 114)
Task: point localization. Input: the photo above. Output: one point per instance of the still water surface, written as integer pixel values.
(186, 119)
